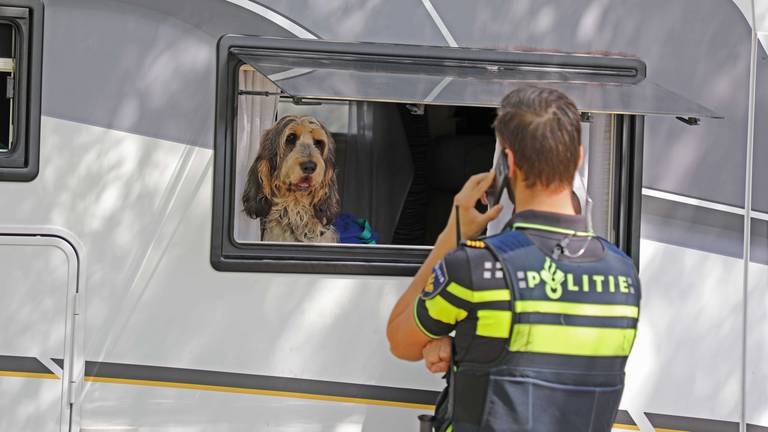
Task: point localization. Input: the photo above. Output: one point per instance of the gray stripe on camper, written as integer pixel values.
(22, 364)
(258, 382)
(140, 66)
(759, 252)
(623, 417)
(692, 424)
(756, 428)
(692, 227)
(760, 159)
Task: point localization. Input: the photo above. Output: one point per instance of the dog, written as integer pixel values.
(291, 184)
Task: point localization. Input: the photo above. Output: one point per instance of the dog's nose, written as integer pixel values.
(308, 167)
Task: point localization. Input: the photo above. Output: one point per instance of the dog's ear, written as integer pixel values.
(259, 188)
(257, 200)
(327, 205)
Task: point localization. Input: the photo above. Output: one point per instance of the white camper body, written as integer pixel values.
(120, 310)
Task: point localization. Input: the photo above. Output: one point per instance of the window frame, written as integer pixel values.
(21, 162)
(227, 254)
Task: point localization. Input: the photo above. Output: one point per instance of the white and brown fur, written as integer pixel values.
(295, 202)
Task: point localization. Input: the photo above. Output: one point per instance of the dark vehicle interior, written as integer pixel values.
(400, 165)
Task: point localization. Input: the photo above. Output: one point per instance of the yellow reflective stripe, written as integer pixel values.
(493, 323)
(584, 309)
(478, 296)
(552, 229)
(441, 310)
(571, 340)
(418, 323)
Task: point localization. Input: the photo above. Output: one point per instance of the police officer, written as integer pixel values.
(544, 314)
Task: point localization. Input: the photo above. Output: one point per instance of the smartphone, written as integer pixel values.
(500, 182)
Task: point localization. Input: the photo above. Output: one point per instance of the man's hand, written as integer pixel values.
(472, 221)
(437, 355)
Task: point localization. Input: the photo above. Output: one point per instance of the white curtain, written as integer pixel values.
(254, 115)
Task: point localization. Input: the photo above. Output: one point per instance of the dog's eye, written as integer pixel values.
(319, 144)
(291, 139)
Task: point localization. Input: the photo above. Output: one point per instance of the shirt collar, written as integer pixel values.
(550, 219)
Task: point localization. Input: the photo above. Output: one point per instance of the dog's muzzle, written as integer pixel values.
(302, 185)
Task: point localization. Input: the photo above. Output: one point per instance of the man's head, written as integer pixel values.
(540, 133)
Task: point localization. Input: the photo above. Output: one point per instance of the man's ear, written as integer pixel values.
(581, 156)
(511, 165)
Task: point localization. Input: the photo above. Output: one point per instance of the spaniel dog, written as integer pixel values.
(291, 185)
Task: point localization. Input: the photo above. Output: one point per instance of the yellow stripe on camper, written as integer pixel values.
(39, 375)
(226, 389)
(627, 427)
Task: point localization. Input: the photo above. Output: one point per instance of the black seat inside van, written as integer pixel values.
(441, 164)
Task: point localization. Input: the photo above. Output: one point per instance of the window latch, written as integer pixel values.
(416, 109)
(690, 121)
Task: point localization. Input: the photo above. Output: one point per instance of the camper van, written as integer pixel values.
(138, 293)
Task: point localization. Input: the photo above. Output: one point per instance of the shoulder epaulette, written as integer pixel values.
(477, 244)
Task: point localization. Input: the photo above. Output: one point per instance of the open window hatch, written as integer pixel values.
(409, 124)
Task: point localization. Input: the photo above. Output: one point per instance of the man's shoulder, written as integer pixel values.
(467, 257)
(472, 265)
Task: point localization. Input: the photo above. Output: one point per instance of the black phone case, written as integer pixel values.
(500, 181)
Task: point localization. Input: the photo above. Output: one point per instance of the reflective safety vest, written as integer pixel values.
(573, 326)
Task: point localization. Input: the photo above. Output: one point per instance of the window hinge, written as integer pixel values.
(77, 306)
(74, 382)
(259, 93)
(72, 386)
(302, 101)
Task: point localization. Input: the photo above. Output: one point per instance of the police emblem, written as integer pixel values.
(436, 283)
